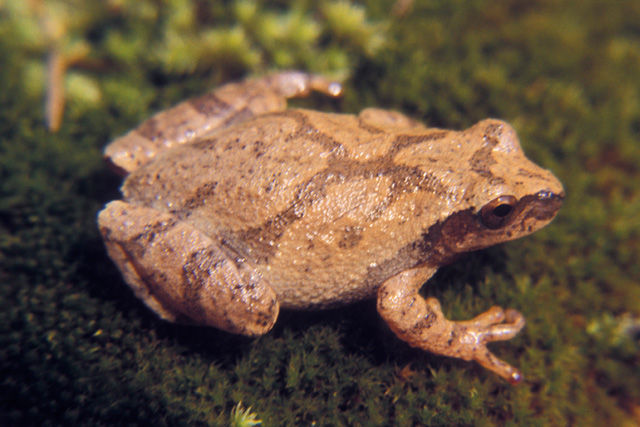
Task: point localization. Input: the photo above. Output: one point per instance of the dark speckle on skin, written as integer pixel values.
(351, 237)
(200, 195)
(492, 134)
(152, 230)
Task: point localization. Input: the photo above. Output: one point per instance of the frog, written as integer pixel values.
(235, 206)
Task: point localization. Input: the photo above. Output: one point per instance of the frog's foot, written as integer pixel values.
(292, 84)
(195, 118)
(182, 274)
(422, 324)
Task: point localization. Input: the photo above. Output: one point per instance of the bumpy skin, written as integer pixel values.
(250, 207)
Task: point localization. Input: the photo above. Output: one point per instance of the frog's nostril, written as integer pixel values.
(545, 194)
(550, 196)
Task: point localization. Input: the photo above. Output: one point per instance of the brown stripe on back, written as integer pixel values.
(280, 221)
(306, 130)
(429, 248)
(261, 241)
(362, 124)
(403, 141)
(210, 105)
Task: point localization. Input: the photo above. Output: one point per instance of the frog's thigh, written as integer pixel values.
(422, 324)
(182, 275)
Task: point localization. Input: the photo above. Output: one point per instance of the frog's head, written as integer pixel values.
(509, 195)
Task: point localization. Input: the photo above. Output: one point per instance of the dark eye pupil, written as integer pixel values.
(496, 213)
(502, 210)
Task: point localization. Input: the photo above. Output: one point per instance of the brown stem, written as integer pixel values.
(56, 67)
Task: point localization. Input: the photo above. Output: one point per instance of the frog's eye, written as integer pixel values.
(496, 213)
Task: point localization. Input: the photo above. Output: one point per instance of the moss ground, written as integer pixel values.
(77, 348)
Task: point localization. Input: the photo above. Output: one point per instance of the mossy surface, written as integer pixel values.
(76, 347)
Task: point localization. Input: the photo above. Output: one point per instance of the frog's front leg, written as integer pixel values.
(192, 119)
(422, 324)
(182, 274)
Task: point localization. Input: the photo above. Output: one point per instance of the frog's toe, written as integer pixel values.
(487, 360)
(513, 323)
(291, 84)
(496, 324)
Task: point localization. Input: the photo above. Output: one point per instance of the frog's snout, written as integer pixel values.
(548, 195)
(551, 201)
(544, 206)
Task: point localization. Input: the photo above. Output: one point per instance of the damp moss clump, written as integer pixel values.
(97, 52)
(77, 347)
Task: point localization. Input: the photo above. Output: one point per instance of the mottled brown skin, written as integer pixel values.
(249, 207)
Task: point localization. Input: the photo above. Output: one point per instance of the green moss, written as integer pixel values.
(77, 347)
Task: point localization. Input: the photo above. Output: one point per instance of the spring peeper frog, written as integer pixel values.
(235, 206)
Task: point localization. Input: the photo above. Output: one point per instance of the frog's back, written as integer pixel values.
(241, 175)
(294, 194)
(269, 166)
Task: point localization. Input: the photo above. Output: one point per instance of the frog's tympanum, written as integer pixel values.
(235, 206)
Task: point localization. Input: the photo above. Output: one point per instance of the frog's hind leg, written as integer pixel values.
(422, 324)
(182, 275)
(194, 118)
